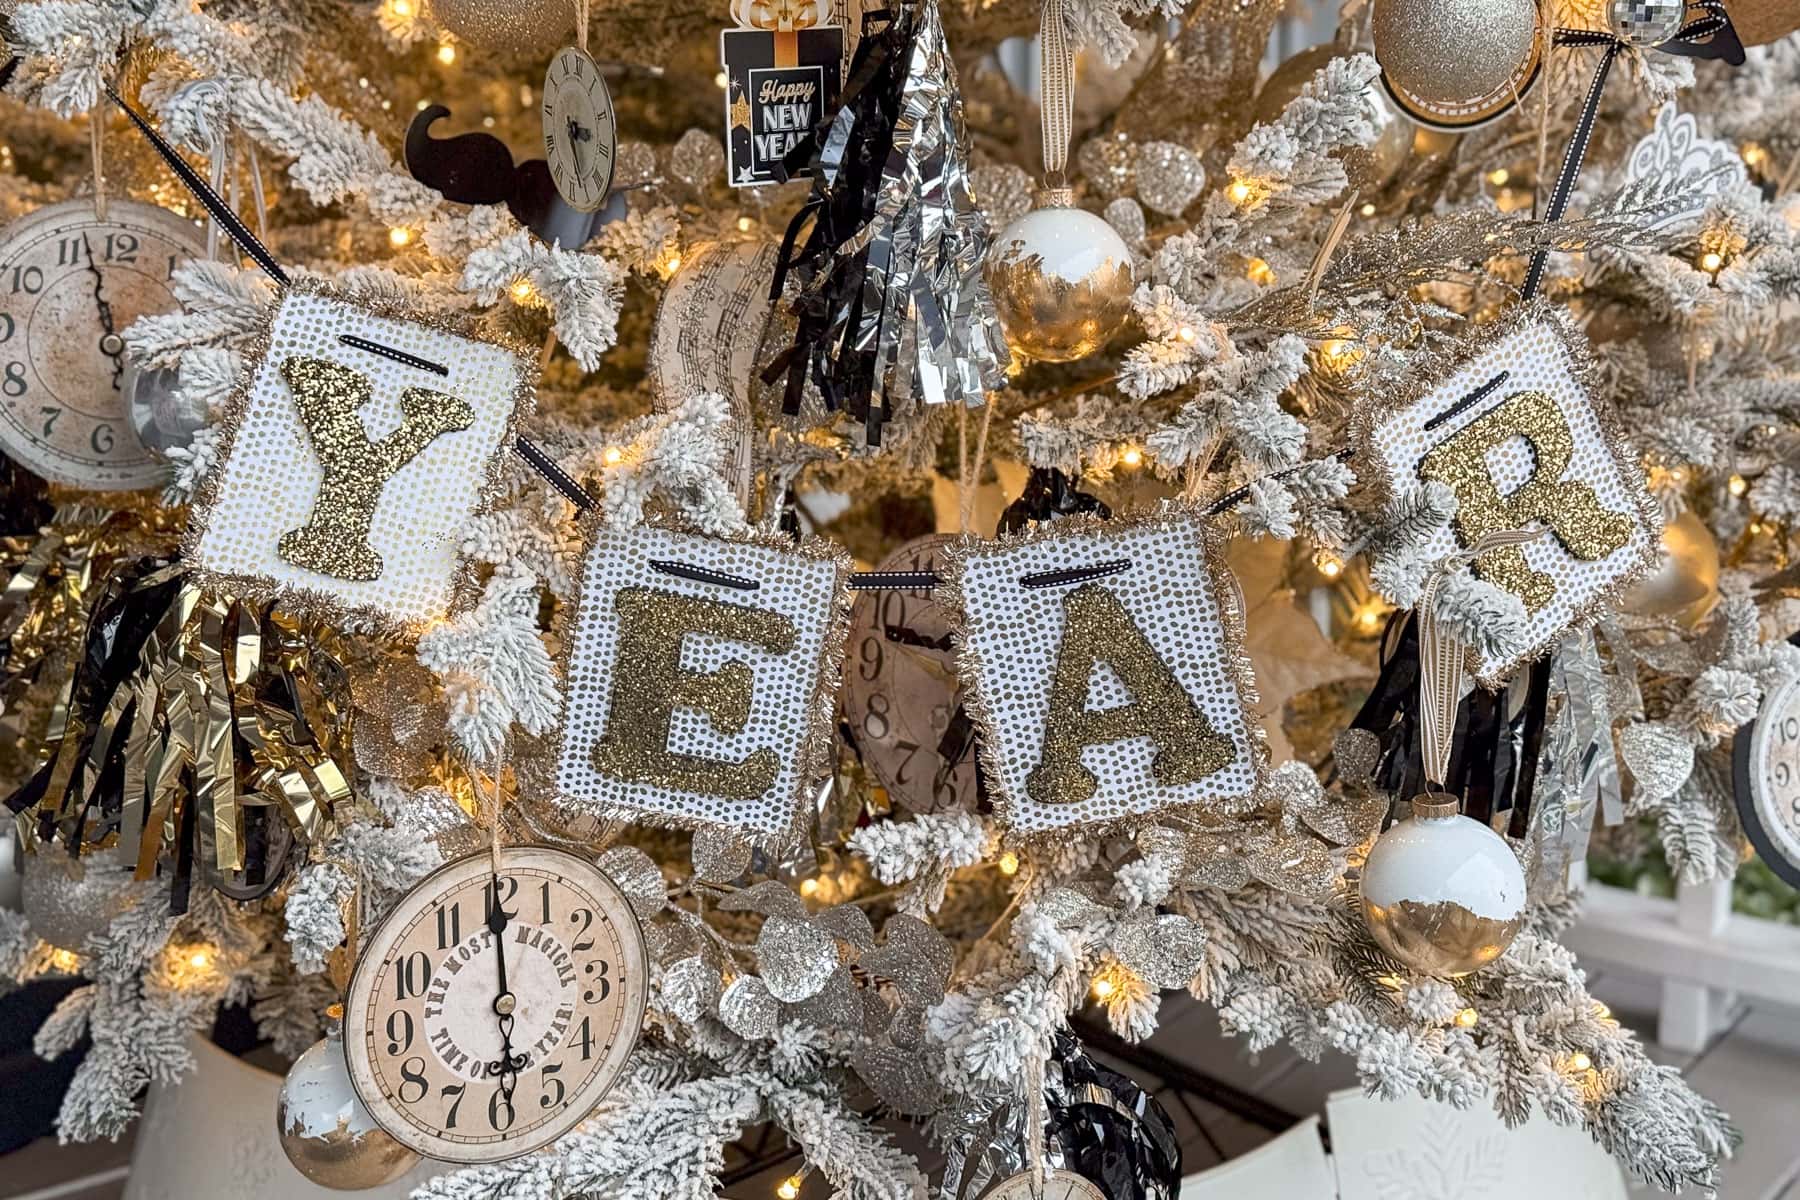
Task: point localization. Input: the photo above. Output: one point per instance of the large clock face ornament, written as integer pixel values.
(491, 1010)
(580, 130)
(1767, 781)
(70, 284)
(1057, 1184)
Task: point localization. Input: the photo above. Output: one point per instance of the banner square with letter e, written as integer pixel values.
(1103, 663)
(364, 439)
(701, 679)
(1517, 435)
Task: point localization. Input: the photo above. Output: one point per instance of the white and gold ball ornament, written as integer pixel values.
(1685, 583)
(1368, 167)
(69, 899)
(1061, 278)
(1456, 64)
(324, 1129)
(1646, 22)
(507, 26)
(1441, 892)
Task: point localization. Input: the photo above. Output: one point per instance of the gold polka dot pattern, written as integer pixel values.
(1012, 641)
(1596, 508)
(272, 476)
(722, 720)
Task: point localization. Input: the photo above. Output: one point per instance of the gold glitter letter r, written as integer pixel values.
(649, 684)
(1585, 529)
(335, 538)
(1098, 629)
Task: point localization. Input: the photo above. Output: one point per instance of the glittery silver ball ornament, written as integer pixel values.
(634, 164)
(326, 1132)
(1447, 51)
(1109, 164)
(1368, 167)
(1646, 22)
(507, 26)
(1061, 279)
(1441, 892)
(1169, 176)
(698, 160)
(68, 899)
(1003, 190)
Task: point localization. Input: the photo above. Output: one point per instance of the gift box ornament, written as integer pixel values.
(701, 679)
(1104, 665)
(1515, 433)
(363, 439)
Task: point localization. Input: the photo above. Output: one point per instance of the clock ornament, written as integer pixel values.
(496, 1004)
(71, 282)
(1055, 1184)
(581, 132)
(1766, 760)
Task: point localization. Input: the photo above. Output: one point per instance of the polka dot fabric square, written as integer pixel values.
(1177, 596)
(1540, 355)
(270, 476)
(772, 678)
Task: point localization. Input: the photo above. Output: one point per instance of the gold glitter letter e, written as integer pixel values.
(1098, 629)
(335, 539)
(1588, 531)
(649, 684)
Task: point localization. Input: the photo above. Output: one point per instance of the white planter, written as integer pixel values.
(212, 1137)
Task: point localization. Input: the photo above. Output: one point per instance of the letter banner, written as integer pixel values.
(364, 438)
(702, 679)
(1103, 664)
(1517, 435)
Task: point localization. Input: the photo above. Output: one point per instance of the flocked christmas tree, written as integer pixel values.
(1238, 467)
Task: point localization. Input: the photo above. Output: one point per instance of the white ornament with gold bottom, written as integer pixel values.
(1061, 279)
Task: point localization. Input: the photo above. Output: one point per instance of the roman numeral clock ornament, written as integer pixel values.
(581, 132)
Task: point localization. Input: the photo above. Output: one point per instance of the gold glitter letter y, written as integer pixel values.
(1098, 629)
(335, 538)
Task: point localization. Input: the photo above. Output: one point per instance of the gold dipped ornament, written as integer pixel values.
(1368, 167)
(1441, 892)
(1456, 64)
(1062, 279)
(324, 1129)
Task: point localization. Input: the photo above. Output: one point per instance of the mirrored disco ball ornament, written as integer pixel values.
(160, 416)
(1646, 22)
(324, 1129)
(1061, 279)
(1442, 892)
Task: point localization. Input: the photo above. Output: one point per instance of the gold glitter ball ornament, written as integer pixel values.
(1061, 278)
(507, 26)
(1456, 64)
(1369, 167)
(324, 1129)
(1443, 893)
(1685, 583)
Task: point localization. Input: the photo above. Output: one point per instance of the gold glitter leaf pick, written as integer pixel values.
(1098, 629)
(335, 539)
(649, 684)
(1569, 507)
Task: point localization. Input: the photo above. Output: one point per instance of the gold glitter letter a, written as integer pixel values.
(335, 539)
(1098, 629)
(1587, 530)
(649, 684)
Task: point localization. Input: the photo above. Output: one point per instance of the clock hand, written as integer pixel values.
(111, 344)
(508, 1065)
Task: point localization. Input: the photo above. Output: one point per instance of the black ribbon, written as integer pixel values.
(1108, 1129)
(1709, 35)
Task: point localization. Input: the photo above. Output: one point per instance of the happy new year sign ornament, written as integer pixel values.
(702, 678)
(1516, 434)
(1104, 664)
(783, 72)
